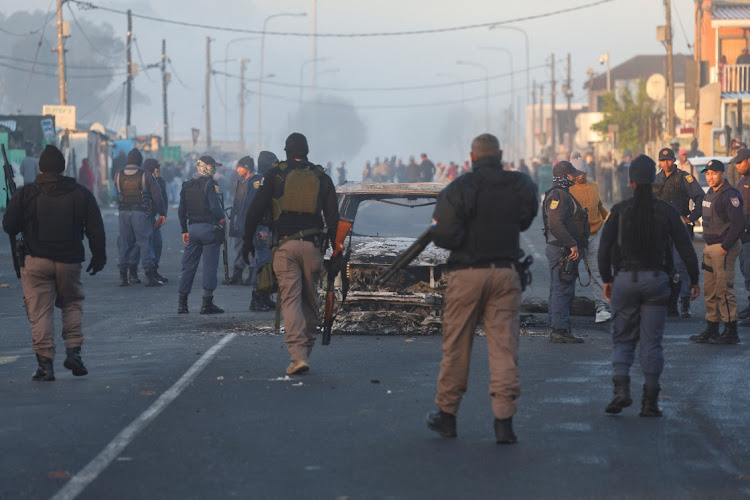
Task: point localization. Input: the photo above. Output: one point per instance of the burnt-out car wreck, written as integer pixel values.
(388, 218)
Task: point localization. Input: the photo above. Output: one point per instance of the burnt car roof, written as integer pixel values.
(410, 189)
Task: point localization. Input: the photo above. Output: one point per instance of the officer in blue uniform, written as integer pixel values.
(566, 229)
(723, 224)
(139, 196)
(261, 299)
(201, 218)
(678, 188)
(742, 161)
(637, 241)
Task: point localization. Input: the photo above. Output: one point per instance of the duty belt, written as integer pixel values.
(485, 265)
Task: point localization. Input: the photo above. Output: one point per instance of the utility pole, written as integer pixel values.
(542, 125)
(164, 82)
(129, 85)
(62, 81)
(533, 116)
(315, 49)
(698, 59)
(670, 72)
(242, 104)
(569, 121)
(208, 93)
(552, 103)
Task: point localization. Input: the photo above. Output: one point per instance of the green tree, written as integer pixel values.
(636, 118)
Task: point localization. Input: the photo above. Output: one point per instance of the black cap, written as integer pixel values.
(643, 170)
(666, 154)
(296, 146)
(714, 165)
(51, 160)
(564, 168)
(151, 164)
(246, 162)
(266, 160)
(135, 157)
(209, 160)
(742, 154)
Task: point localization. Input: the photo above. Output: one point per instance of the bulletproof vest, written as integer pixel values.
(577, 225)
(196, 203)
(673, 192)
(628, 256)
(130, 187)
(300, 190)
(713, 224)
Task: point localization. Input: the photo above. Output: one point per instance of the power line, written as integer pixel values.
(74, 66)
(93, 45)
(174, 72)
(36, 56)
(74, 76)
(90, 5)
(106, 97)
(679, 19)
(143, 65)
(32, 32)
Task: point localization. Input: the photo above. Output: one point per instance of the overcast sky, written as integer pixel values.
(624, 28)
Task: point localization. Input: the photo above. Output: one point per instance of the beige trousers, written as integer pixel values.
(47, 284)
(718, 285)
(495, 295)
(298, 265)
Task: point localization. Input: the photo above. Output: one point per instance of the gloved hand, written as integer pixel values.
(95, 265)
(247, 248)
(337, 263)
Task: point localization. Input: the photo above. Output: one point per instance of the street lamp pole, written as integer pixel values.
(486, 90)
(226, 78)
(301, 73)
(260, 74)
(513, 130)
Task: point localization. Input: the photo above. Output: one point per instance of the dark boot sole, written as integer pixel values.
(43, 379)
(615, 407)
(77, 368)
(435, 427)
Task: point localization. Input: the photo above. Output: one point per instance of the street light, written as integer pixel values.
(260, 73)
(226, 77)
(514, 134)
(486, 89)
(456, 78)
(301, 72)
(602, 59)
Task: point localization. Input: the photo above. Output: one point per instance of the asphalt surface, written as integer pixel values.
(191, 406)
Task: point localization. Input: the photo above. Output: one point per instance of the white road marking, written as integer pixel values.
(531, 248)
(88, 474)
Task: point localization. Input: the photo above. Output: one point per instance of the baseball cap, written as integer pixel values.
(209, 160)
(683, 152)
(643, 169)
(564, 168)
(714, 165)
(742, 154)
(666, 154)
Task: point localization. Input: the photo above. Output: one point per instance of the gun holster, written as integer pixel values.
(523, 268)
(21, 252)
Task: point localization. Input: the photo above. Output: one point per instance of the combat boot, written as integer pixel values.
(728, 337)
(209, 307)
(74, 363)
(159, 276)
(712, 330)
(182, 307)
(268, 301)
(684, 307)
(151, 279)
(236, 278)
(504, 431)
(124, 277)
(45, 372)
(622, 394)
(560, 336)
(134, 274)
(257, 304)
(442, 423)
(650, 402)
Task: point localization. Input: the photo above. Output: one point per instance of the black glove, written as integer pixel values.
(247, 249)
(95, 265)
(337, 263)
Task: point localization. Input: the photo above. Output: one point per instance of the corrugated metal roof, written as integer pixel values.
(731, 12)
(735, 95)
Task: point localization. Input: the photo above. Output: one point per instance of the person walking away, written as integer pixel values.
(606, 174)
(54, 213)
(296, 192)
(154, 167)
(621, 174)
(566, 230)
(723, 224)
(484, 283)
(637, 242)
(86, 175)
(679, 188)
(202, 220)
(586, 192)
(30, 165)
(245, 170)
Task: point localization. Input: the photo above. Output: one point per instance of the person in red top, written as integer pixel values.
(86, 175)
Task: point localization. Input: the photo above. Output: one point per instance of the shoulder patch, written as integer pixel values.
(216, 187)
(256, 184)
(735, 201)
(553, 205)
(689, 178)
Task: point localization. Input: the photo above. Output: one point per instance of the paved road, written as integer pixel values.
(192, 406)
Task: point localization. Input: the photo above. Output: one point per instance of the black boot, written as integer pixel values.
(209, 307)
(134, 274)
(685, 307)
(268, 301)
(712, 330)
(728, 337)
(74, 362)
(159, 276)
(124, 277)
(257, 304)
(650, 402)
(45, 372)
(504, 431)
(560, 336)
(151, 279)
(442, 423)
(236, 278)
(622, 394)
(182, 307)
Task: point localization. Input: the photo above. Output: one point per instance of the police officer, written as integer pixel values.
(742, 161)
(154, 167)
(243, 192)
(637, 242)
(483, 283)
(566, 229)
(139, 196)
(723, 224)
(261, 299)
(54, 213)
(678, 188)
(201, 215)
(296, 191)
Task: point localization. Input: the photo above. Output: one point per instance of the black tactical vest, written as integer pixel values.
(658, 256)
(713, 224)
(577, 226)
(672, 191)
(131, 190)
(196, 202)
(300, 188)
